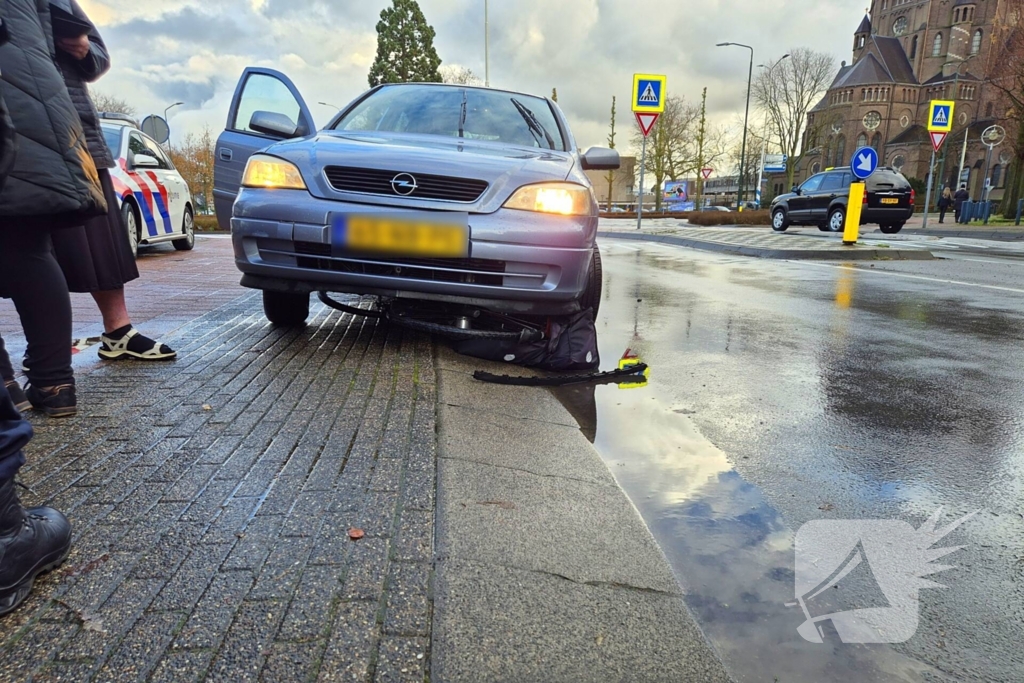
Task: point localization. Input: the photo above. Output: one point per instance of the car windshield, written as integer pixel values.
(471, 113)
(112, 135)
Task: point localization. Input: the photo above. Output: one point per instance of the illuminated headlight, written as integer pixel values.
(270, 172)
(566, 199)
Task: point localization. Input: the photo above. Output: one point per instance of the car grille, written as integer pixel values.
(460, 270)
(374, 181)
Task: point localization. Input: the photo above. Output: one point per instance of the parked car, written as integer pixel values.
(822, 199)
(470, 196)
(724, 209)
(155, 201)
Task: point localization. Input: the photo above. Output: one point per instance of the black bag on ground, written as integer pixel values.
(570, 346)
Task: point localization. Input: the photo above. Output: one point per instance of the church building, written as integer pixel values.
(905, 54)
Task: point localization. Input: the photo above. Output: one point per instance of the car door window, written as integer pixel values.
(832, 182)
(812, 184)
(136, 146)
(264, 93)
(154, 150)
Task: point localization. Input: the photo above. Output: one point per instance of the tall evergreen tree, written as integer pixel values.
(405, 47)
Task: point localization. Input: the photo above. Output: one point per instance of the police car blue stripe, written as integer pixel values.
(147, 213)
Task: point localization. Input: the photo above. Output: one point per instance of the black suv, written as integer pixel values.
(822, 199)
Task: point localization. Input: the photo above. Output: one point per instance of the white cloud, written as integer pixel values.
(194, 50)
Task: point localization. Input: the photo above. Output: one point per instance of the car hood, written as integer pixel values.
(504, 168)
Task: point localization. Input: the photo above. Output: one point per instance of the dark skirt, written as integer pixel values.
(97, 256)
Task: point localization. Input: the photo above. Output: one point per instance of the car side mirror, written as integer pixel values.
(600, 159)
(145, 161)
(796, 190)
(273, 124)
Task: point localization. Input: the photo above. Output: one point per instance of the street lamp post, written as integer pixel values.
(746, 116)
(328, 104)
(176, 104)
(764, 150)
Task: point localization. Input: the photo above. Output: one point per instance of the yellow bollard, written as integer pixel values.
(851, 231)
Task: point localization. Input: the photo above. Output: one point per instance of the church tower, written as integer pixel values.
(860, 38)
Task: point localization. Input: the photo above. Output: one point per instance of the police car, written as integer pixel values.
(155, 202)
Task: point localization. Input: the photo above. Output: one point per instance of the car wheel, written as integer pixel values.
(592, 294)
(779, 222)
(837, 219)
(188, 228)
(130, 218)
(891, 229)
(286, 309)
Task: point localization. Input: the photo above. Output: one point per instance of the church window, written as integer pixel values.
(913, 48)
(862, 140)
(937, 45)
(840, 158)
(876, 143)
(872, 120)
(976, 43)
(899, 27)
(956, 17)
(988, 110)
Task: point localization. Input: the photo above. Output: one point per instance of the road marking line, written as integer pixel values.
(911, 277)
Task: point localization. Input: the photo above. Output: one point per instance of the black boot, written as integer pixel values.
(32, 542)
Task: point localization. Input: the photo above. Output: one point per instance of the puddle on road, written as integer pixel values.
(727, 545)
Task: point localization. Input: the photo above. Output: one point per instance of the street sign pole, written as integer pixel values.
(760, 176)
(928, 191)
(640, 190)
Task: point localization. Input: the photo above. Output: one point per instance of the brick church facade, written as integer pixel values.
(906, 53)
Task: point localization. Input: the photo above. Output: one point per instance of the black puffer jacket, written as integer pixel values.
(79, 72)
(53, 175)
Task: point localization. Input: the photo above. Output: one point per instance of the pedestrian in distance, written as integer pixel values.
(44, 166)
(51, 184)
(945, 201)
(961, 196)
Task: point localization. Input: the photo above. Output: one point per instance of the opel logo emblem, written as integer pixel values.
(404, 184)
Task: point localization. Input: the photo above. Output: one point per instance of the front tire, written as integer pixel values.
(130, 219)
(592, 294)
(188, 228)
(891, 229)
(779, 222)
(285, 309)
(837, 219)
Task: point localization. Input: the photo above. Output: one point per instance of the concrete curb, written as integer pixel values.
(544, 569)
(862, 254)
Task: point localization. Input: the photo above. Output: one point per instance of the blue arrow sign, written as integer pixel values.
(864, 162)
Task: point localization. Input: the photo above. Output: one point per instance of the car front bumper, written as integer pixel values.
(519, 262)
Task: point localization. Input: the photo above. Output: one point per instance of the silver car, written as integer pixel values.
(473, 197)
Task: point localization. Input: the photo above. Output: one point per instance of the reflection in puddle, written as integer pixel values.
(727, 544)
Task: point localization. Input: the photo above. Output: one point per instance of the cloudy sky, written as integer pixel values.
(193, 51)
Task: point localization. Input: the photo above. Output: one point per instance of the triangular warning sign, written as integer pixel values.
(646, 122)
(706, 172)
(648, 96)
(938, 139)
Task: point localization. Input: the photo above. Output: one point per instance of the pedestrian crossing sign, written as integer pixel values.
(648, 94)
(940, 116)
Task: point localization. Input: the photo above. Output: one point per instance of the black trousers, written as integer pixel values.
(31, 277)
(15, 432)
(942, 213)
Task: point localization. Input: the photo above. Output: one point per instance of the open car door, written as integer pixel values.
(262, 95)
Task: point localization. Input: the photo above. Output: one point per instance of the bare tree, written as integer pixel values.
(708, 146)
(669, 146)
(757, 142)
(458, 75)
(610, 177)
(112, 104)
(1006, 71)
(788, 92)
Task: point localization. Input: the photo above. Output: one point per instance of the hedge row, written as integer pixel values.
(707, 218)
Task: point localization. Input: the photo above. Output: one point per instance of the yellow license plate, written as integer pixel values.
(890, 200)
(402, 235)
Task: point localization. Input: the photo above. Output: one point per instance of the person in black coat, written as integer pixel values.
(52, 185)
(961, 196)
(945, 202)
(39, 160)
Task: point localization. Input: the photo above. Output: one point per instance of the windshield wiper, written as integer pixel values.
(462, 116)
(533, 123)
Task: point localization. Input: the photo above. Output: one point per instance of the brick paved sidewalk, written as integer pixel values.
(212, 497)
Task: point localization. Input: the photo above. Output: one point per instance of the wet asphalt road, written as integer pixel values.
(785, 392)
